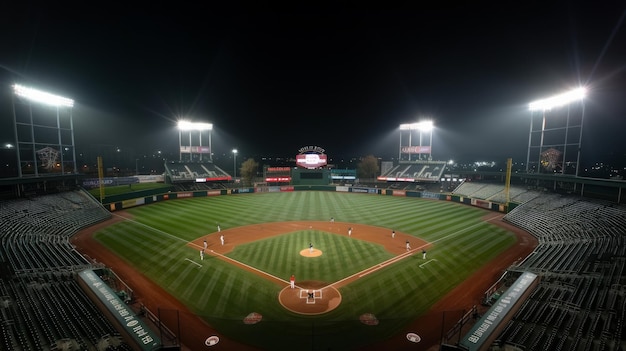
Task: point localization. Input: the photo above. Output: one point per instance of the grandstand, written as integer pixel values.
(415, 171)
(39, 285)
(189, 176)
(580, 301)
(195, 172)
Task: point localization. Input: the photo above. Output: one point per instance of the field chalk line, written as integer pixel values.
(194, 262)
(427, 262)
(404, 255)
(212, 252)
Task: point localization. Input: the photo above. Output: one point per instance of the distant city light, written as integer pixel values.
(558, 100)
(42, 97)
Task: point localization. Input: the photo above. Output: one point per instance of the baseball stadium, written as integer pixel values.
(307, 256)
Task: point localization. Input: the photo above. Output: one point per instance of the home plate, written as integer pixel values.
(412, 337)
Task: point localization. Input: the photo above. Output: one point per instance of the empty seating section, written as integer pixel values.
(580, 302)
(178, 171)
(496, 192)
(478, 190)
(35, 232)
(193, 186)
(431, 171)
(42, 306)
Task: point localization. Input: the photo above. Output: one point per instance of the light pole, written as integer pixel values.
(63, 108)
(136, 166)
(190, 127)
(234, 164)
(555, 135)
(422, 127)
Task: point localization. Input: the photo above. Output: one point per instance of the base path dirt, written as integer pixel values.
(196, 331)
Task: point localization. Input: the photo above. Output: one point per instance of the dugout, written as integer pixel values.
(310, 176)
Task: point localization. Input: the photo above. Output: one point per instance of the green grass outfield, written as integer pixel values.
(155, 242)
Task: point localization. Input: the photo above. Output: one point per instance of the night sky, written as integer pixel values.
(273, 79)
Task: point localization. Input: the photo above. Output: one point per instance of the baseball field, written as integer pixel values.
(350, 290)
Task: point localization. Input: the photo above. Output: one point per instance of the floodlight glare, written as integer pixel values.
(558, 100)
(204, 126)
(424, 126)
(42, 97)
(186, 125)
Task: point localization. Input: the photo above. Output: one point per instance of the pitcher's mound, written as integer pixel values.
(309, 253)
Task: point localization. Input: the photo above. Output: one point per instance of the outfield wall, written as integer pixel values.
(123, 202)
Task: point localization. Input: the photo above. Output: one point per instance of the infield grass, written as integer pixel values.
(155, 242)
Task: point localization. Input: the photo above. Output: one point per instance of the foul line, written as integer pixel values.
(212, 252)
(226, 258)
(154, 229)
(403, 256)
(194, 262)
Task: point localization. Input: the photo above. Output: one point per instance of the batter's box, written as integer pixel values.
(310, 295)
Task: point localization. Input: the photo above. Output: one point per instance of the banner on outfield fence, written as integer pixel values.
(364, 190)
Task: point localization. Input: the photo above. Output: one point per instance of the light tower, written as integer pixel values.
(191, 128)
(423, 127)
(43, 144)
(556, 127)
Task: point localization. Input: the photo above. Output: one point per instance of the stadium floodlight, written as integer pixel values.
(558, 100)
(42, 97)
(424, 126)
(191, 127)
(186, 125)
(560, 135)
(49, 161)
